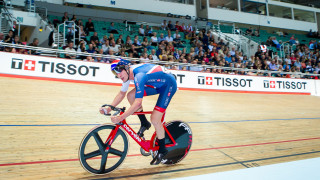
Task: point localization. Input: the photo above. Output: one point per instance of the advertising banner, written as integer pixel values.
(48, 67)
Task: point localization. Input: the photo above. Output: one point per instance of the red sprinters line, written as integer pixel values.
(132, 155)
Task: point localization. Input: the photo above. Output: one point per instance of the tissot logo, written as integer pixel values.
(284, 84)
(53, 67)
(219, 81)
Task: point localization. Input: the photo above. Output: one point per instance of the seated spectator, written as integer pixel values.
(154, 39)
(34, 43)
(9, 38)
(148, 31)
(105, 47)
(112, 29)
(16, 40)
(169, 37)
(189, 28)
(145, 43)
(141, 30)
(120, 38)
(65, 17)
(1, 40)
(114, 47)
(249, 31)
(95, 38)
(276, 43)
(71, 51)
(81, 49)
(171, 26)
(104, 39)
(83, 34)
(153, 54)
(178, 27)
(91, 49)
(89, 26)
(256, 33)
(164, 25)
(161, 38)
(177, 42)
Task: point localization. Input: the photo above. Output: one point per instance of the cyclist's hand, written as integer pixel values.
(104, 110)
(116, 119)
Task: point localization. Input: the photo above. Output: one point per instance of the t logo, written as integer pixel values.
(30, 65)
(16, 63)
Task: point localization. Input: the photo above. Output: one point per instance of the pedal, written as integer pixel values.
(144, 153)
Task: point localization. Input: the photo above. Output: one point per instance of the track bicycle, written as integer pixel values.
(105, 147)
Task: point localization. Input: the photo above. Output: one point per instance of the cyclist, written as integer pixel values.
(149, 79)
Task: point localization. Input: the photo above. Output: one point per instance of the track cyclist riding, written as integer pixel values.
(149, 79)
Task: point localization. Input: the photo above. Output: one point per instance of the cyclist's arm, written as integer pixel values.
(139, 82)
(133, 108)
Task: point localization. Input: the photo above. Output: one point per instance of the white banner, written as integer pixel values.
(48, 67)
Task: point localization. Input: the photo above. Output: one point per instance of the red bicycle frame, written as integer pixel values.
(147, 145)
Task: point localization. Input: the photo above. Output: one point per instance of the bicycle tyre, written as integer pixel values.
(181, 132)
(85, 157)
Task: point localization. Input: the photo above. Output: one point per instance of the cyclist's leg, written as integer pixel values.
(165, 95)
(145, 125)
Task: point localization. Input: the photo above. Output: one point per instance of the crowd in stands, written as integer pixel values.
(171, 46)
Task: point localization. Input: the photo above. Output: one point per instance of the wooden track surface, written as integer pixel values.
(43, 123)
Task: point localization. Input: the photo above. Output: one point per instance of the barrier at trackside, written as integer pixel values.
(48, 67)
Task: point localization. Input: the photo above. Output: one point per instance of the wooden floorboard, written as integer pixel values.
(43, 123)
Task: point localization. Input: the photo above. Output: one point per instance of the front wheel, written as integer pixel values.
(96, 156)
(182, 134)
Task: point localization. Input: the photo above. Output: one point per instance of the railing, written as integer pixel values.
(5, 14)
(56, 52)
(70, 25)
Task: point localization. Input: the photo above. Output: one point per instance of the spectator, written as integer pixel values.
(153, 54)
(178, 27)
(154, 39)
(91, 49)
(65, 17)
(9, 38)
(82, 33)
(189, 28)
(168, 37)
(114, 47)
(171, 26)
(105, 47)
(161, 38)
(164, 25)
(112, 29)
(249, 31)
(95, 38)
(34, 43)
(148, 31)
(71, 51)
(1, 40)
(81, 49)
(104, 39)
(89, 26)
(141, 30)
(16, 40)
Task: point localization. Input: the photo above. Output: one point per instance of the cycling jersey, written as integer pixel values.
(150, 79)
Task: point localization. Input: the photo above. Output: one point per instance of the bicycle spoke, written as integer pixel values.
(103, 162)
(99, 141)
(115, 152)
(92, 154)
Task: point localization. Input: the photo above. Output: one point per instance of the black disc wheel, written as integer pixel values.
(93, 154)
(182, 134)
